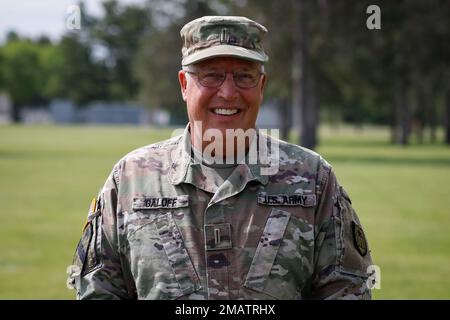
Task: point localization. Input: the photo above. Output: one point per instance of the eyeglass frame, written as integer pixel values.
(260, 72)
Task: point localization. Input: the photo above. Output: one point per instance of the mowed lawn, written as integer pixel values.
(49, 174)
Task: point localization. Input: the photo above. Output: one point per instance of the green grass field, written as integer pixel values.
(48, 175)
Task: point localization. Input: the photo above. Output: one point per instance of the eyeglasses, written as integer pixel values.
(214, 79)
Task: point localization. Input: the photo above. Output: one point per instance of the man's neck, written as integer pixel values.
(221, 149)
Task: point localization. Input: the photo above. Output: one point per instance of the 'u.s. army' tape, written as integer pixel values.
(304, 200)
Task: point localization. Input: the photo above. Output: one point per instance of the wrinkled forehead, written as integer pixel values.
(228, 63)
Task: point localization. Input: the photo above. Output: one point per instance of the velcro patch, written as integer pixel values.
(359, 239)
(94, 211)
(304, 200)
(144, 203)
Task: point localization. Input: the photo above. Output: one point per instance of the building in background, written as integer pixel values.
(66, 112)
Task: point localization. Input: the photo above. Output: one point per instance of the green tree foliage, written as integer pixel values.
(26, 72)
(20, 70)
(81, 78)
(120, 32)
(159, 56)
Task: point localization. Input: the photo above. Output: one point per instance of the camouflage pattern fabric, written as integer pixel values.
(219, 36)
(164, 228)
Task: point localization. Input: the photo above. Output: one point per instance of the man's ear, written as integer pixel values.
(183, 83)
(263, 85)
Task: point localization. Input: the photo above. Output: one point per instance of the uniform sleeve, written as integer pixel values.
(342, 256)
(97, 270)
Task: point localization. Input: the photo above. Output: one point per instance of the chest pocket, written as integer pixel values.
(159, 260)
(282, 263)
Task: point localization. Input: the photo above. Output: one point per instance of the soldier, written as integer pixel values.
(174, 222)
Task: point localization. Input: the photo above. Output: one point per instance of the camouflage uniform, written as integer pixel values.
(165, 226)
(163, 229)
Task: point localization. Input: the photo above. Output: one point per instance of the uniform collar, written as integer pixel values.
(182, 160)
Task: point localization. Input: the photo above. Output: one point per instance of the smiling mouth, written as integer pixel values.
(225, 112)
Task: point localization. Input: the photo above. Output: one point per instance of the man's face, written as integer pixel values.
(206, 104)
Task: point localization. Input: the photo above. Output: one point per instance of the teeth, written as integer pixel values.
(226, 112)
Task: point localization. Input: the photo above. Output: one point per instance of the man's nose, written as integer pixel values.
(228, 89)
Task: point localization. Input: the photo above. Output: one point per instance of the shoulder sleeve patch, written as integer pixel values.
(359, 239)
(87, 254)
(353, 251)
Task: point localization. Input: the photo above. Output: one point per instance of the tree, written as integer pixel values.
(81, 78)
(304, 96)
(120, 32)
(159, 56)
(21, 73)
(447, 117)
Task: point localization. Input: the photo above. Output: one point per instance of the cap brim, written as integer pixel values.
(224, 51)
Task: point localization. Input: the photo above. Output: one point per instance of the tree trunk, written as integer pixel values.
(15, 113)
(305, 113)
(310, 114)
(447, 117)
(393, 123)
(421, 115)
(297, 70)
(432, 116)
(285, 118)
(403, 114)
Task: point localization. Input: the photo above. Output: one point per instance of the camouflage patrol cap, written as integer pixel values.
(222, 36)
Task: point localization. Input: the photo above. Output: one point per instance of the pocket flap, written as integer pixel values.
(267, 249)
(177, 254)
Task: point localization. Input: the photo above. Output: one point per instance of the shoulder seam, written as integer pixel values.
(323, 174)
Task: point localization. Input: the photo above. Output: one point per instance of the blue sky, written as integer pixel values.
(36, 17)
